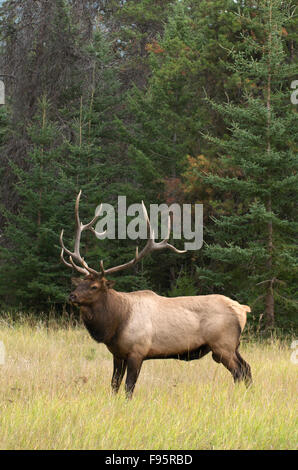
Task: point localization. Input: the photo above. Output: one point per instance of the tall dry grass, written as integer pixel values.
(55, 394)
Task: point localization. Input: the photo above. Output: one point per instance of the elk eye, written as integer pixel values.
(94, 287)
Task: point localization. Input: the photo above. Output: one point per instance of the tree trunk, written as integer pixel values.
(269, 310)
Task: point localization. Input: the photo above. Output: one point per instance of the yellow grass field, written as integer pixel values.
(55, 394)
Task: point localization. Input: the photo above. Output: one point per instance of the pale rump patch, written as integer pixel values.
(240, 311)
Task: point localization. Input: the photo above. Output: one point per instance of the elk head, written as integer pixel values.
(89, 290)
(94, 284)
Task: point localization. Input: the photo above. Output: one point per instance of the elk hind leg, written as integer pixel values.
(245, 369)
(239, 369)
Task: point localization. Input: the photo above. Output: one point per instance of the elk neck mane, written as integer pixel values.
(104, 319)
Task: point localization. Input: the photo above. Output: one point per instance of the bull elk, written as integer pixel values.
(142, 325)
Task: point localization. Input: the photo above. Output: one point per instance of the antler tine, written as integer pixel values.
(62, 244)
(102, 268)
(70, 254)
(164, 243)
(157, 245)
(89, 225)
(63, 260)
(152, 235)
(79, 227)
(72, 265)
(78, 268)
(85, 270)
(78, 222)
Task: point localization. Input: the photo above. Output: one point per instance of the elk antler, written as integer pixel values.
(75, 255)
(150, 246)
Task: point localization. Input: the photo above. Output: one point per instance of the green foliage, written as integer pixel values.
(184, 285)
(3, 124)
(29, 260)
(256, 238)
(48, 180)
(161, 101)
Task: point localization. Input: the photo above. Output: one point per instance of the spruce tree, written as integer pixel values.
(29, 261)
(59, 163)
(253, 253)
(96, 161)
(167, 118)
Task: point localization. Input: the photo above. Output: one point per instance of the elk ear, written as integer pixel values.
(76, 281)
(105, 284)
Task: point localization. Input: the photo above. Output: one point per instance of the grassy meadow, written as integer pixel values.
(55, 394)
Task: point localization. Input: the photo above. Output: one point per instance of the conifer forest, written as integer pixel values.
(186, 102)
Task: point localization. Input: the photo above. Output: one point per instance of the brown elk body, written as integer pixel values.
(142, 325)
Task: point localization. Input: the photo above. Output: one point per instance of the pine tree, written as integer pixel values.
(256, 241)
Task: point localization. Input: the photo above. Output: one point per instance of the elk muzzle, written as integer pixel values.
(73, 298)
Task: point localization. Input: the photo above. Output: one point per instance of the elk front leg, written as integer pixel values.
(118, 373)
(134, 364)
